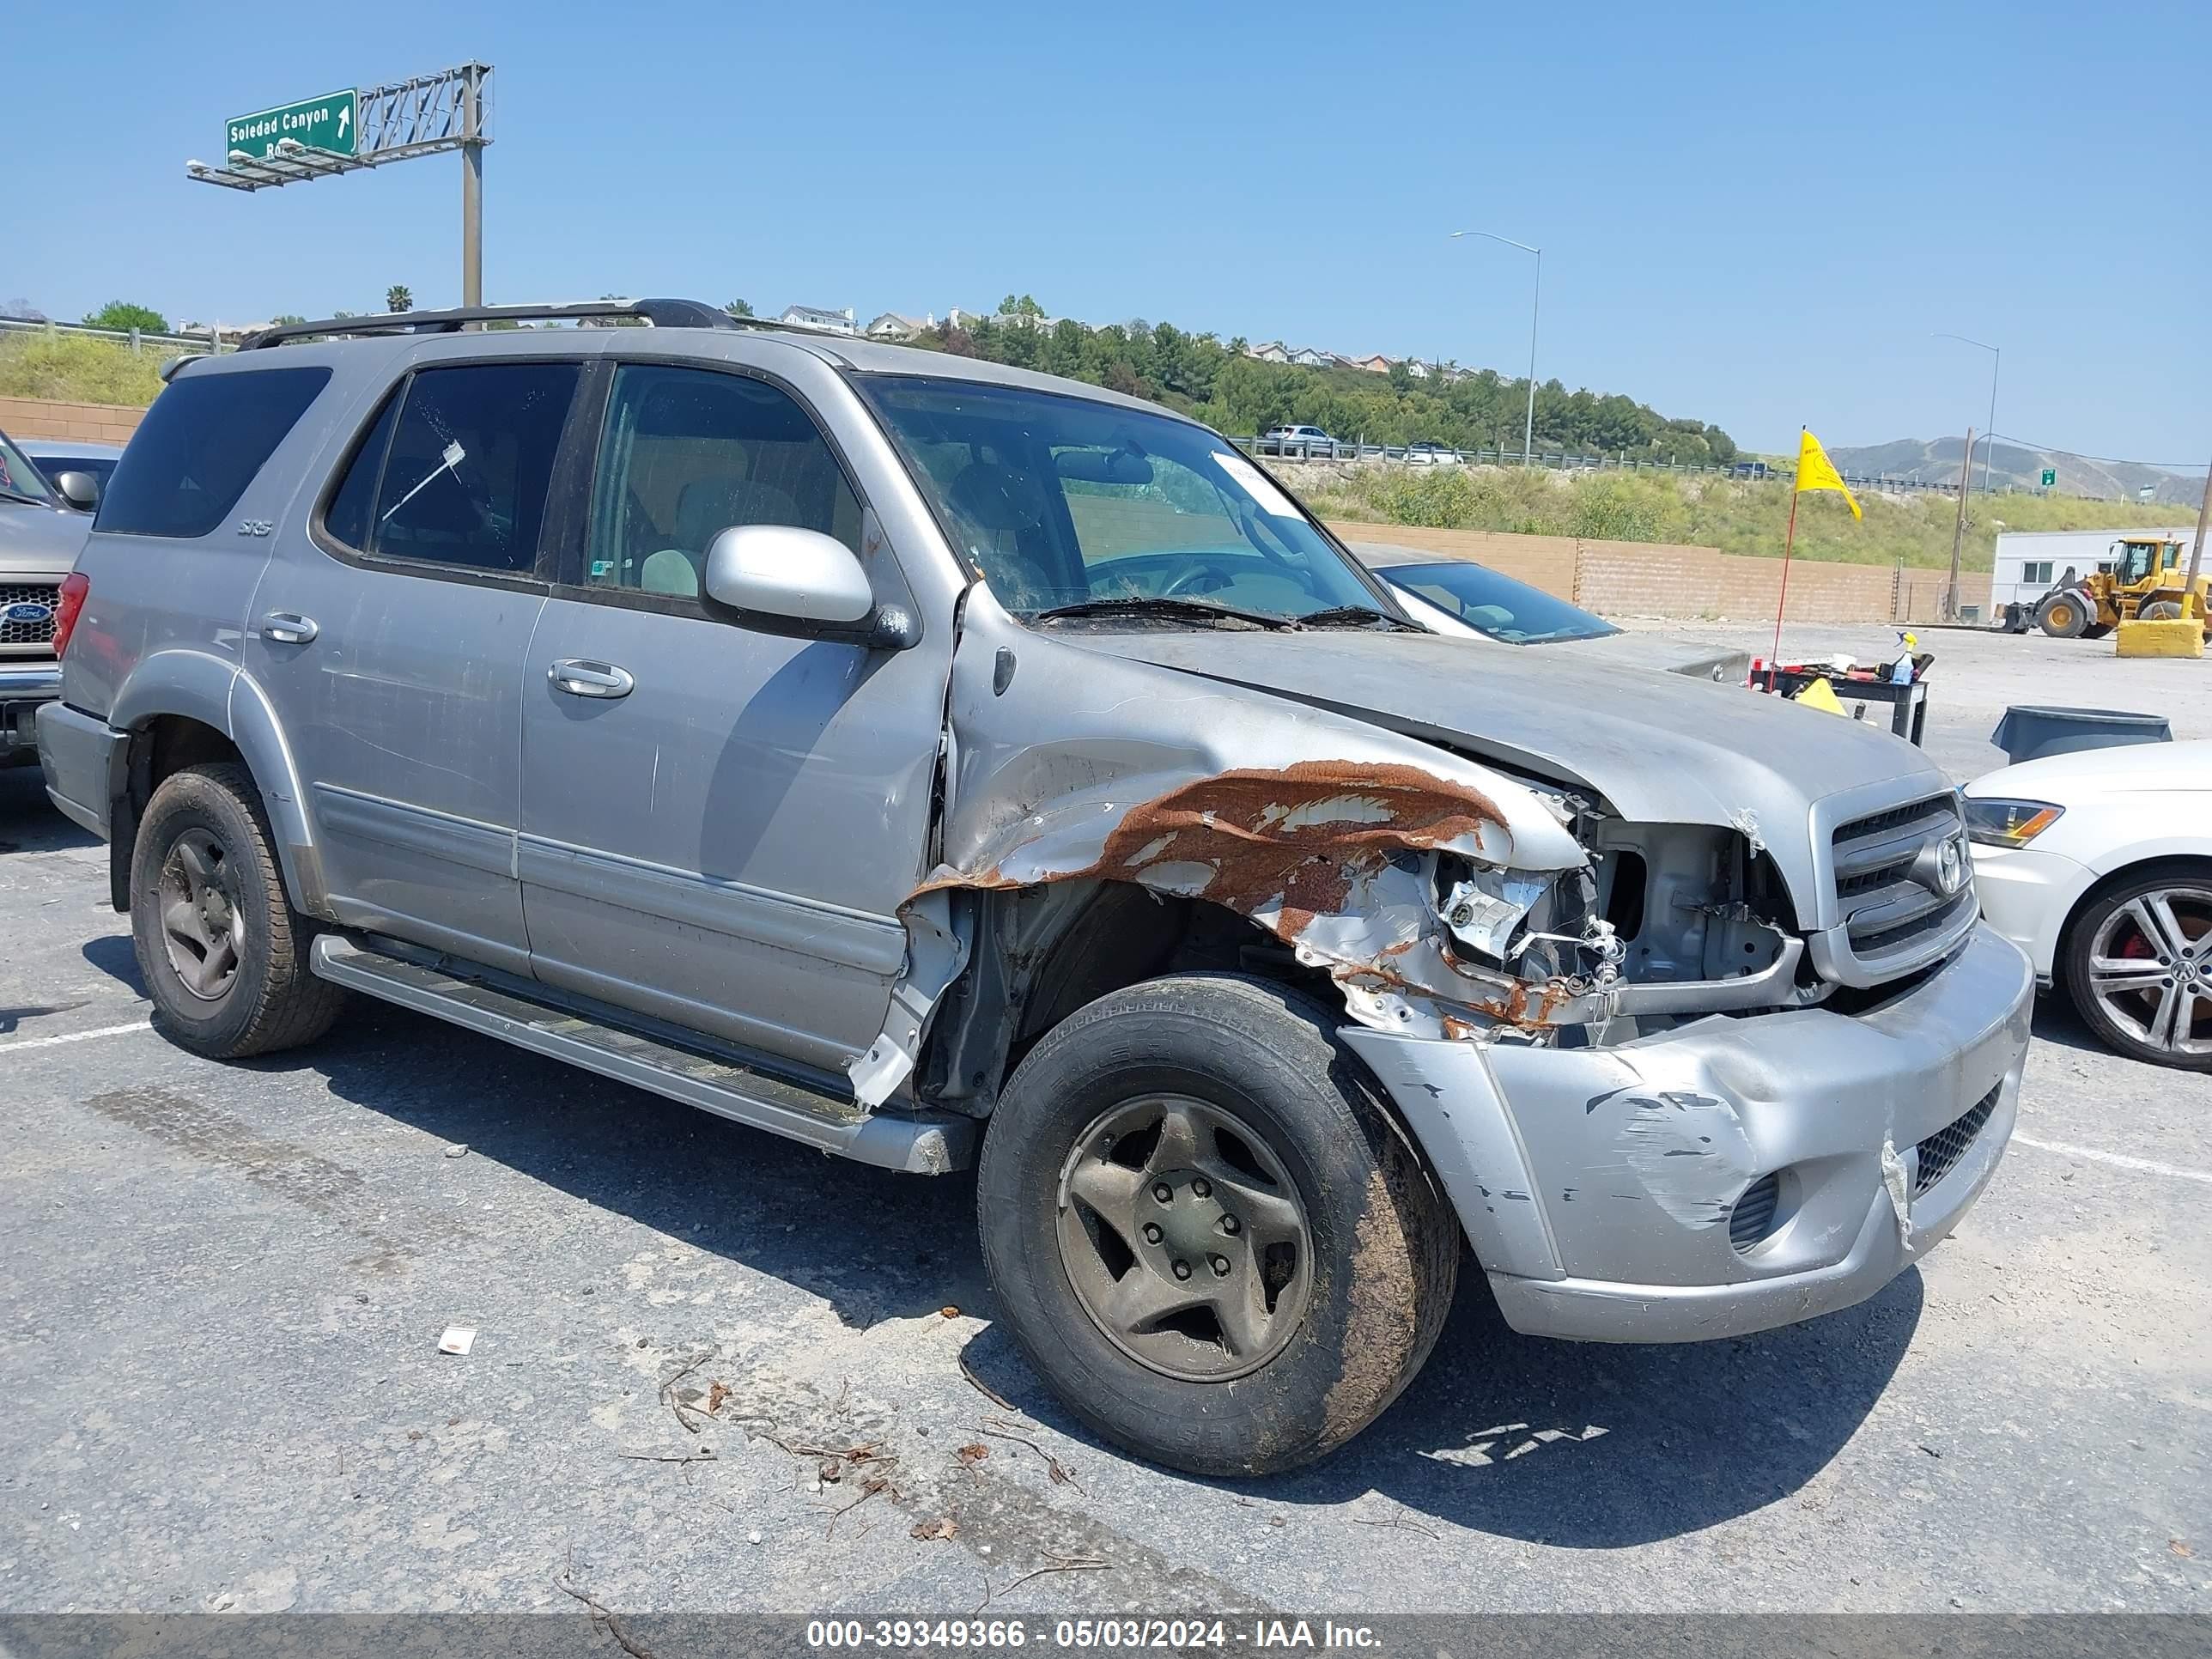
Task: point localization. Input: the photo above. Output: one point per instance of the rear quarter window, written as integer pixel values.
(199, 447)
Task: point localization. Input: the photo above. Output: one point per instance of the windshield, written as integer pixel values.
(1498, 606)
(18, 477)
(1061, 501)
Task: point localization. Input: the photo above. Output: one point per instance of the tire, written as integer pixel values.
(2063, 615)
(2159, 915)
(203, 849)
(1287, 1124)
(2160, 611)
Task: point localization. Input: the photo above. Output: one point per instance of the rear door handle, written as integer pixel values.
(582, 678)
(289, 627)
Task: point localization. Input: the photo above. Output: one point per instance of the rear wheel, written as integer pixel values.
(2138, 966)
(223, 954)
(2063, 615)
(1206, 1232)
(2160, 611)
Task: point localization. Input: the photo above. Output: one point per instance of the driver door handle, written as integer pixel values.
(582, 678)
(289, 627)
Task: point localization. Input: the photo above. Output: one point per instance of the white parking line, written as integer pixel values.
(76, 1036)
(2117, 1160)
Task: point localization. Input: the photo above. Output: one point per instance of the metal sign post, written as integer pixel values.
(345, 131)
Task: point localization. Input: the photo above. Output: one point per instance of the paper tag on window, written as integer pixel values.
(1256, 484)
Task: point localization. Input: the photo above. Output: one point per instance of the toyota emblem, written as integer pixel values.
(1951, 866)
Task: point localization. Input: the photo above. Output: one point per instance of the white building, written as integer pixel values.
(830, 322)
(2029, 563)
(895, 326)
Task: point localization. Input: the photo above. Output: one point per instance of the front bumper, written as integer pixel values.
(2026, 895)
(1597, 1186)
(24, 686)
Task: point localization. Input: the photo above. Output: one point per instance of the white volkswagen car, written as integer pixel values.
(2099, 865)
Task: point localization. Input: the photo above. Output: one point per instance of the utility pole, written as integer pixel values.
(2197, 552)
(1959, 533)
(472, 145)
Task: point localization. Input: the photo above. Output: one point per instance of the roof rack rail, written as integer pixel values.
(661, 314)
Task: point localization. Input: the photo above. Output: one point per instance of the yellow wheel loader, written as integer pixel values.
(2144, 578)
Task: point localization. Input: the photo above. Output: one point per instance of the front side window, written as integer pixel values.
(456, 468)
(199, 447)
(687, 453)
(1064, 501)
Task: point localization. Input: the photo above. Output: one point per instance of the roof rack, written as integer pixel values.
(661, 314)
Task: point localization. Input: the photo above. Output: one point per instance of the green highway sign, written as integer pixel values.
(2050, 477)
(329, 123)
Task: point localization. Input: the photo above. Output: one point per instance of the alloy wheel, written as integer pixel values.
(2150, 968)
(1184, 1238)
(202, 926)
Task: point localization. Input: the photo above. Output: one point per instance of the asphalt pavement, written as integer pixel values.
(713, 1371)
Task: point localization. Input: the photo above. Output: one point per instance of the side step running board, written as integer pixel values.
(925, 1144)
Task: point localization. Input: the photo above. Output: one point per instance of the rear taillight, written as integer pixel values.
(68, 603)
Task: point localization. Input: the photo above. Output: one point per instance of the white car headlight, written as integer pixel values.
(2009, 823)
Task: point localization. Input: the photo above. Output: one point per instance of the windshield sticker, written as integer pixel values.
(1256, 484)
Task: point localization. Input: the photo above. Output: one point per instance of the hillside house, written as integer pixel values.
(814, 317)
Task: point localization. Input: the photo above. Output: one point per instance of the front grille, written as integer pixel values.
(36, 630)
(1894, 912)
(1942, 1150)
(1753, 1218)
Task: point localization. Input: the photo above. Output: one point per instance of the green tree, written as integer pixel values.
(738, 308)
(286, 319)
(121, 314)
(1023, 307)
(1401, 379)
(398, 297)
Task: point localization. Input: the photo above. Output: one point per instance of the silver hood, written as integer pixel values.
(40, 541)
(1660, 748)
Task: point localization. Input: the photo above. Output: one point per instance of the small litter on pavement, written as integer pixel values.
(457, 1339)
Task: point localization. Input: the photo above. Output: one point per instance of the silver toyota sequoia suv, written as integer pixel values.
(942, 764)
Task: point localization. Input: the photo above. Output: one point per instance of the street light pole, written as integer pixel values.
(1989, 432)
(1535, 307)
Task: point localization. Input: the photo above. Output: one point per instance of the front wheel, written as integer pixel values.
(2138, 966)
(2063, 615)
(1206, 1232)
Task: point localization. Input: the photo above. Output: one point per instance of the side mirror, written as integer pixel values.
(791, 581)
(79, 489)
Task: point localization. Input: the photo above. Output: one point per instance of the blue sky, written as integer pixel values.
(1756, 216)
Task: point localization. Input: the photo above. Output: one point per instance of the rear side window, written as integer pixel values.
(200, 446)
(455, 469)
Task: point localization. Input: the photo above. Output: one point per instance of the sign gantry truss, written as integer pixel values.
(421, 116)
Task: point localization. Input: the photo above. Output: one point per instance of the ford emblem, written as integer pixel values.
(30, 610)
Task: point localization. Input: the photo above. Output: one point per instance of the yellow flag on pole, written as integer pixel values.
(1816, 471)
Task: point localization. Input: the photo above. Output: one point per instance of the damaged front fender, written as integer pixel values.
(1069, 764)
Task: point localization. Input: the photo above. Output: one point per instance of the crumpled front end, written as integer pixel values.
(1728, 1175)
(1443, 897)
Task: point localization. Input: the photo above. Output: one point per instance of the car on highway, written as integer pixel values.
(1299, 443)
(2098, 864)
(55, 456)
(1468, 601)
(1430, 454)
(41, 532)
(936, 762)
